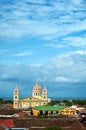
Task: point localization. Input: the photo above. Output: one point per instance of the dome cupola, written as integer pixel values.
(37, 87)
(37, 90)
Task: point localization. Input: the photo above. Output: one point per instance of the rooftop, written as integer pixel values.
(7, 123)
(49, 107)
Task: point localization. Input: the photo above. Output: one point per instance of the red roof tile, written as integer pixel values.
(7, 123)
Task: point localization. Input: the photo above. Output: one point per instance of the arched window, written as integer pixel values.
(44, 97)
(15, 97)
(30, 104)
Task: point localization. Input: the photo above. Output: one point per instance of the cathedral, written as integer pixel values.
(39, 98)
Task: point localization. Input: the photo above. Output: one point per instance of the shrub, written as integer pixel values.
(42, 116)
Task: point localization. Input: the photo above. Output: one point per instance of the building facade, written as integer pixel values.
(39, 98)
(53, 110)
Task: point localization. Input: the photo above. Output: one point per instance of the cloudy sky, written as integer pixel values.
(43, 40)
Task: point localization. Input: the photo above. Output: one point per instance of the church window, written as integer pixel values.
(44, 97)
(15, 91)
(15, 97)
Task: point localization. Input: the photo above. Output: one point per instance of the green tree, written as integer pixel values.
(65, 101)
(68, 103)
(7, 101)
(79, 102)
(54, 102)
(1, 100)
(42, 116)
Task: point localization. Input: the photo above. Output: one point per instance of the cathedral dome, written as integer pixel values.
(37, 87)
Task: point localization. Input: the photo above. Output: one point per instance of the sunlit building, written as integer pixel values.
(53, 110)
(39, 97)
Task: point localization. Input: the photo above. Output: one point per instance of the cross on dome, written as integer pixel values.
(37, 84)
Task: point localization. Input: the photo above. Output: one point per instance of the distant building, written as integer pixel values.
(39, 98)
(68, 111)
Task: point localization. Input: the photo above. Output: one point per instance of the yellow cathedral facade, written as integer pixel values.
(39, 98)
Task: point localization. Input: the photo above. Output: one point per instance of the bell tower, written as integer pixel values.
(45, 93)
(16, 97)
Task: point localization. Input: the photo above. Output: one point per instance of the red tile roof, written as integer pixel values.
(22, 114)
(7, 123)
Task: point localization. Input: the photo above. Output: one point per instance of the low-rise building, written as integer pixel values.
(53, 110)
(48, 110)
(68, 111)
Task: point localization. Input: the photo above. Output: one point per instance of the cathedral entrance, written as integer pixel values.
(30, 104)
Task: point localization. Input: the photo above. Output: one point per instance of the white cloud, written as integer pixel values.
(77, 2)
(55, 45)
(61, 24)
(47, 21)
(64, 79)
(76, 41)
(4, 51)
(81, 52)
(67, 68)
(71, 66)
(28, 53)
(35, 65)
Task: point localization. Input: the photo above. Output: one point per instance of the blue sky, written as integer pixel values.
(43, 40)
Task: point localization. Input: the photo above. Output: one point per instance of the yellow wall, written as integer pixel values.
(26, 103)
(35, 112)
(68, 111)
(15, 105)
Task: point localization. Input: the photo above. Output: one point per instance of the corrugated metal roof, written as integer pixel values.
(50, 107)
